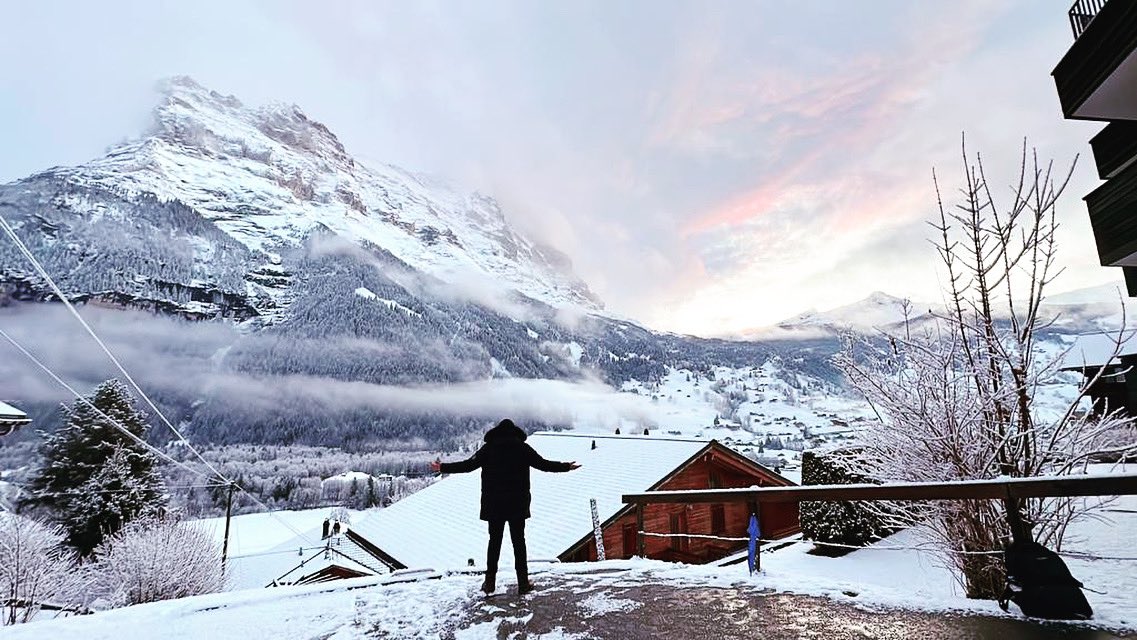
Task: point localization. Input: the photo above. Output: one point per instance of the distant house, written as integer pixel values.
(329, 552)
(339, 558)
(438, 527)
(1117, 386)
(11, 418)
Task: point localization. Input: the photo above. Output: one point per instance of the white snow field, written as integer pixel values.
(424, 603)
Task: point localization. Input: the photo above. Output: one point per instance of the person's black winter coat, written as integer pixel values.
(505, 460)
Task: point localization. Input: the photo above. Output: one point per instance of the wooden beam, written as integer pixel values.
(1044, 487)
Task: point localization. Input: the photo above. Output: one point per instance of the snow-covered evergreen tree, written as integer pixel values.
(93, 478)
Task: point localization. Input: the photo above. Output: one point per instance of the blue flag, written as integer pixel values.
(755, 533)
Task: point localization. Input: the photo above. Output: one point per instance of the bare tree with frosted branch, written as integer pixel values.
(36, 568)
(956, 395)
(157, 558)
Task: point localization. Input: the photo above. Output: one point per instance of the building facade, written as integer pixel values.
(1097, 80)
(715, 467)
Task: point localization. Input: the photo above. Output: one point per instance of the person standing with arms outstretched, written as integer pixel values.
(505, 460)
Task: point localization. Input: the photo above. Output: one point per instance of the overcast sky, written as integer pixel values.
(709, 167)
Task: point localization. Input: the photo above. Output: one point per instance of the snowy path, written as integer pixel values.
(620, 599)
(581, 608)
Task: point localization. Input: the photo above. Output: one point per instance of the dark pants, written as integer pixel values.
(517, 536)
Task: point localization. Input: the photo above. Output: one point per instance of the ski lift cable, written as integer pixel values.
(115, 423)
(11, 233)
(67, 303)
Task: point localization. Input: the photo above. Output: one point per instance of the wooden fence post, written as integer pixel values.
(640, 529)
(597, 532)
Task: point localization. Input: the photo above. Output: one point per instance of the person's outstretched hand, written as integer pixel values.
(573, 465)
(436, 465)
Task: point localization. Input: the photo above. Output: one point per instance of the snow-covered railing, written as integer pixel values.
(1002, 488)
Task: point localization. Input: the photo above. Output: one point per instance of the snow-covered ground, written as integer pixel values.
(768, 400)
(420, 604)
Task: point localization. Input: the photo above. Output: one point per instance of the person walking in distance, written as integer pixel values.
(505, 460)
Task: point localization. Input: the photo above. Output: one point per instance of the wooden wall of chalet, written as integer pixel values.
(713, 470)
(1117, 389)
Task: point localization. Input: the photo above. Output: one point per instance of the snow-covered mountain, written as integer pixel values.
(363, 284)
(374, 306)
(268, 179)
(1078, 311)
(878, 311)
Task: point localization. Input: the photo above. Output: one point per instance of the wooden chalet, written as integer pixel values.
(302, 560)
(714, 467)
(438, 527)
(1096, 81)
(1116, 387)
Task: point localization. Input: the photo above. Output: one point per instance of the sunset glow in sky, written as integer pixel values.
(709, 167)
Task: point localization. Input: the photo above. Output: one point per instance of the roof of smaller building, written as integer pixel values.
(299, 557)
(438, 526)
(10, 413)
(1095, 349)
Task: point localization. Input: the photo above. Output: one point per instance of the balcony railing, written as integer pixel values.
(1082, 13)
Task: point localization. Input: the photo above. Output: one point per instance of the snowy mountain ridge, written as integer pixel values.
(270, 177)
(1095, 308)
(878, 310)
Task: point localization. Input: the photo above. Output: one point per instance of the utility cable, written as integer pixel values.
(115, 423)
(70, 307)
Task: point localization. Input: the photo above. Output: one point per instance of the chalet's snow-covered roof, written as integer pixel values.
(8, 412)
(438, 527)
(1094, 349)
(299, 557)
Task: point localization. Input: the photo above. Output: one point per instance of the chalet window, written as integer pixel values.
(718, 520)
(715, 481)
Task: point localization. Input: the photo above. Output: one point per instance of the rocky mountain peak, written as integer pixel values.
(203, 120)
(269, 177)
